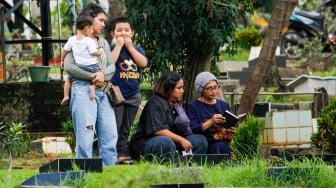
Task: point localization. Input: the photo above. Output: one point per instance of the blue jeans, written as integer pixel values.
(91, 117)
(164, 148)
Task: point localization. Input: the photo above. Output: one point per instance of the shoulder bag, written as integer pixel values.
(114, 94)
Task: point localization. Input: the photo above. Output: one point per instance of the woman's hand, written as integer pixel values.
(218, 119)
(98, 77)
(186, 145)
(232, 129)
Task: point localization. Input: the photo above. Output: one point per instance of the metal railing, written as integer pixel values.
(318, 98)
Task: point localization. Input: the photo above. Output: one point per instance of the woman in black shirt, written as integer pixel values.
(164, 128)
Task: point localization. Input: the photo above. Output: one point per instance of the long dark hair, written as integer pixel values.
(166, 84)
(93, 9)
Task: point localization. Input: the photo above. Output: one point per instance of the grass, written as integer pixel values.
(246, 173)
(332, 72)
(240, 55)
(16, 177)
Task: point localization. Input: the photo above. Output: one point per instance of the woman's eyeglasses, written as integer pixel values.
(211, 88)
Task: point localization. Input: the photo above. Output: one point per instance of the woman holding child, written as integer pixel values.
(96, 116)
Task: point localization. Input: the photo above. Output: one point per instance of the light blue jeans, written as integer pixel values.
(91, 117)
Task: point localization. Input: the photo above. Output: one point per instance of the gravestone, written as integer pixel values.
(244, 75)
(66, 164)
(63, 179)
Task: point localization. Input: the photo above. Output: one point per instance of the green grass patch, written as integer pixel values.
(332, 72)
(15, 178)
(244, 173)
(240, 55)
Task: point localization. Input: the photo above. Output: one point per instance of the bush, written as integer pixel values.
(248, 138)
(325, 137)
(13, 143)
(67, 127)
(248, 37)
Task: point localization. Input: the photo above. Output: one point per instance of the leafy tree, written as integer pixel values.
(264, 5)
(325, 137)
(184, 36)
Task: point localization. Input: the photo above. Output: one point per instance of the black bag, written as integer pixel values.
(114, 94)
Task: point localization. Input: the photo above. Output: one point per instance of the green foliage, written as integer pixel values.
(146, 85)
(12, 141)
(146, 90)
(134, 126)
(325, 137)
(248, 138)
(264, 5)
(67, 127)
(176, 33)
(247, 37)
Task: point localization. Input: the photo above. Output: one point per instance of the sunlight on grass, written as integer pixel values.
(240, 55)
(16, 178)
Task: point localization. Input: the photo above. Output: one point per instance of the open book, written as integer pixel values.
(231, 119)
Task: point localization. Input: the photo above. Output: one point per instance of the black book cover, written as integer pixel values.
(231, 119)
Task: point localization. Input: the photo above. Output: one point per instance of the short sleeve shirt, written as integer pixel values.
(82, 50)
(156, 115)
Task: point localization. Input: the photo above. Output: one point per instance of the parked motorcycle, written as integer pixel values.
(303, 28)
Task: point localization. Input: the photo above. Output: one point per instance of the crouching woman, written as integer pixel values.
(163, 127)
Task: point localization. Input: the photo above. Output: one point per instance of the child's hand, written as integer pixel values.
(120, 41)
(128, 42)
(62, 65)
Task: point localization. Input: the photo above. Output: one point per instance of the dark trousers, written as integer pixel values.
(220, 147)
(125, 115)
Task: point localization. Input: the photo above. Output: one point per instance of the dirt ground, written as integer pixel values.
(34, 160)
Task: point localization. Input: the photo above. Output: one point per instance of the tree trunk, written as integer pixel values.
(273, 78)
(196, 64)
(279, 18)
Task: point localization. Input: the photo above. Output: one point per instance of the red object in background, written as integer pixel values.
(52, 62)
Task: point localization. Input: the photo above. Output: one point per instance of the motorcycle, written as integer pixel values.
(303, 28)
